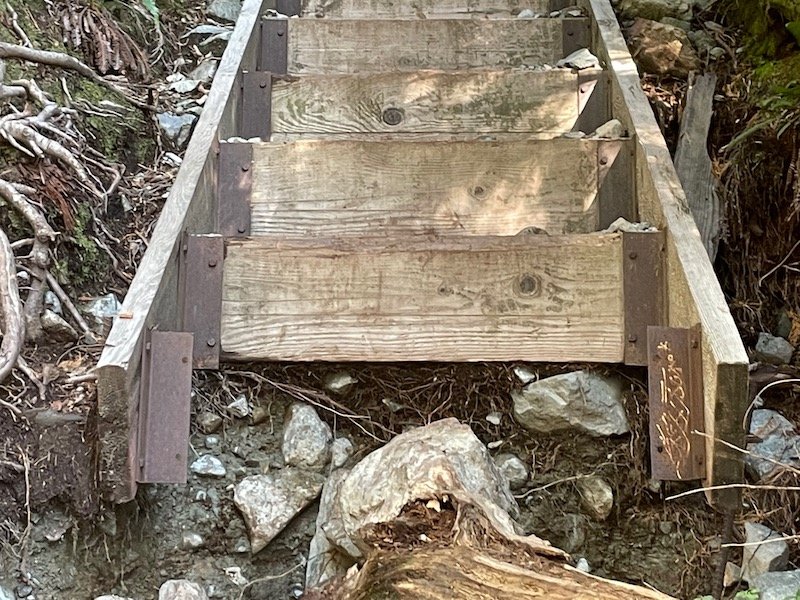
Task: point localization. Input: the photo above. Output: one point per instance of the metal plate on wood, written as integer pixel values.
(643, 276)
(675, 373)
(594, 101)
(290, 8)
(577, 34)
(164, 407)
(615, 181)
(234, 186)
(274, 53)
(202, 296)
(256, 112)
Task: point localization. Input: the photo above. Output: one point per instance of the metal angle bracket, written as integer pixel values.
(164, 407)
(234, 187)
(274, 46)
(201, 275)
(644, 290)
(675, 372)
(594, 104)
(256, 111)
(576, 34)
(615, 181)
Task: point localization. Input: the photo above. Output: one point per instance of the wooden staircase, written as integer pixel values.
(404, 181)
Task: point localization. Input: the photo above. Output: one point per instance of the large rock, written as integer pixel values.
(655, 9)
(443, 458)
(269, 502)
(597, 497)
(773, 350)
(783, 585)
(762, 558)
(662, 49)
(306, 439)
(324, 560)
(778, 442)
(6, 594)
(181, 589)
(579, 400)
(176, 128)
(225, 10)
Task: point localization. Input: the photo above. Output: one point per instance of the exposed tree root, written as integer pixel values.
(11, 309)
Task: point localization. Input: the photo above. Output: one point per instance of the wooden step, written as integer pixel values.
(331, 46)
(483, 102)
(376, 9)
(533, 298)
(429, 188)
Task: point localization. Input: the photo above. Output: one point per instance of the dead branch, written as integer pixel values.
(11, 308)
(65, 61)
(71, 309)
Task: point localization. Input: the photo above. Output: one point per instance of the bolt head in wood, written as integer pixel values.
(392, 116)
(211, 342)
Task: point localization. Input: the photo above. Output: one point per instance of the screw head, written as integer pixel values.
(262, 85)
(245, 168)
(604, 161)
(392, 116)
(212, 262)
(632, 255)
(632, 338)
(211, 342)
(241, 229)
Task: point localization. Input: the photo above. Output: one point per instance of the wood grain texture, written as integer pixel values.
(152, 297)
(694, 294)
(331, 46)
(429, 102)
(537, 298)
(380, 9)
(332, 188)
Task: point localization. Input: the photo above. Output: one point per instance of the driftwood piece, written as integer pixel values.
(693, 163)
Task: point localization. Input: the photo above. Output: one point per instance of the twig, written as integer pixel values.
(770, 540)
(74, 312)
(16, 27)
(31, 374)
(778, 463)
(779, 265)
(23, 542)
(733, 486)
(250, 584)
(81, 378)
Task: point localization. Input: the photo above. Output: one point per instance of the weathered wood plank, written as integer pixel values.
(694, 294)
(152, 299)
(427, 102)
(693, 164)
(327, 47)
(537, 298)
(332, 188)
(380, 9)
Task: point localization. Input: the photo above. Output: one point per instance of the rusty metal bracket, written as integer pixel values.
(201, 287)
(615, 181)
(290, 8)
(644, 289)
(256, 112)
(164, 407)
(576, 34)
(274, 54)
(234, 186)
(677, 451)
(594, 101)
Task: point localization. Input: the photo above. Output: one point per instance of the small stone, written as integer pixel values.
(296, 590)
(583, 565)
(733, 574)
(339, 383)
(494, 445)
(625, 226)
(6, 594)
(524, 375)
(204, 71)
(106, 597)
(494, 418)
(24, 590)
(716, 52)
(242, 546)
(225, 10)
(259, 415)
(597, 497)
(240, 407)
(783, 585)
(580, 400)
(269, 502)
(580, 59)
(773, 350)
(513, 468)
(679, 23)
(777, 444)
(666, 527)
(184, 86)
(526, 13)
(181, 589)
(176, 128)
(191, 540)
(209, 422)
(208, 466)
(341, 451)
(212, 441)
(654, 9)
(58, 327)
(762, 557)
(612, 129)
(306, 439)
(51, 302)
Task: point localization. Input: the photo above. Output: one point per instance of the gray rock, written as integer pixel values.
(580, 59)
(181, 589)
(779, 443)
(524, 375)
(597, 497)
(208, 466)
(513, 468)
(192, 540)
(306, 439)
(324, 559)
(102, 307)
(702, 40)
(583, 565)
(612, 129)
(782, 585)
(679, 23)
(106, 597)
(225, 10)
(260, 414)
(23, 590)
(579, 400)
(209, 422)
(204, 71)
(773, 350)
(269, 502)
(733, 574)
(6, 594)
(184, 86)
(762, 558)
(717, 52)
(340, 383)
(495, 418)
(51, 302)
(240, 407)
(58, 327)
(341, 451)
(655, 9)
(211, 441)
(176, 128)
(623, 225)
(526, 13)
